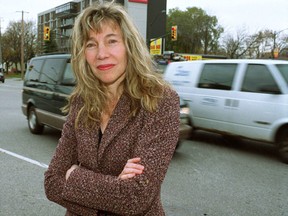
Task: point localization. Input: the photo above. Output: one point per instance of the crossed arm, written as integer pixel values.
(131, 169)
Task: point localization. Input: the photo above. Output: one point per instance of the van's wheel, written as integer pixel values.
(33, 123)
(283, 144)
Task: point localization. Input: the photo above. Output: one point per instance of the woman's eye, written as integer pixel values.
(90, 45)
(112, 41)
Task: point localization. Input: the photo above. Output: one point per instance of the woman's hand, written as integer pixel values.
(131, 169)
(69, 171)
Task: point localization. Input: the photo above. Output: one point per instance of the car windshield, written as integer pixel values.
(283, 68)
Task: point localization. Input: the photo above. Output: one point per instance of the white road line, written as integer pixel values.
(24, 158)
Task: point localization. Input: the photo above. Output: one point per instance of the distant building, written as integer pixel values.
(61, 20)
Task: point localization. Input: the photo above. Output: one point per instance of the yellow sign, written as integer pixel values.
(276, 52)
(189, 57)
(156, 46)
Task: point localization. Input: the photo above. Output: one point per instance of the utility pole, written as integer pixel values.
(1, 59)
(22, 44)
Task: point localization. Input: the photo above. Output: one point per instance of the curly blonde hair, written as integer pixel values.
(142, 83)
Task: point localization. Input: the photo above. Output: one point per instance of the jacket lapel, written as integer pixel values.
(118, 120)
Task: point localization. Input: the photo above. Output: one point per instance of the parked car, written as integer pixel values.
(48, 82)
(243, 98)
(2, 77)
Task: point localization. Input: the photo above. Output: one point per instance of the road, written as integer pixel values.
(208, 176)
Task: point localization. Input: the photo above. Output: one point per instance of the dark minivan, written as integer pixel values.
(48, 82)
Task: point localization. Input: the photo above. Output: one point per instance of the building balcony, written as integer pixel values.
(70, 9)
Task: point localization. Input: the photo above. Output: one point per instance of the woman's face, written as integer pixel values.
(106, 55)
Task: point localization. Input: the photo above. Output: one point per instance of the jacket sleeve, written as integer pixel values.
(155, 146)
(64, 157)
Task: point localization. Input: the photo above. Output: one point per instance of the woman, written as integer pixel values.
(122, 126)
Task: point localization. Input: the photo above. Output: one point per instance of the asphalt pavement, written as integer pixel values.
(208, 175)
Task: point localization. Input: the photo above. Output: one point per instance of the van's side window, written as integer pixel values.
(34, 70)
(68, 76)
(51, 70)
(283, 68)
(258, 79)
(217, 76)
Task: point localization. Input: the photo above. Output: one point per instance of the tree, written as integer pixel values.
(12, 43)
(30, 39)
(257, 45)
(197, 31)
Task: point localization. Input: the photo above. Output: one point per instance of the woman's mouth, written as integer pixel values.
(105, 66)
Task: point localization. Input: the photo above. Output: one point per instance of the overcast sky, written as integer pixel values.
(254, 15)
(233, 15)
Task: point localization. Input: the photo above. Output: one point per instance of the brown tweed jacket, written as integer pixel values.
(94, 189)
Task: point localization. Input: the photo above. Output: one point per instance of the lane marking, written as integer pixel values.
(24, 158)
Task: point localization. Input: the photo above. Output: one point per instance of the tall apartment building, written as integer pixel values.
(61, 20)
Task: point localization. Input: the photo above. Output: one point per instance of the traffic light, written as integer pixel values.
(46, 33)
(174, 33)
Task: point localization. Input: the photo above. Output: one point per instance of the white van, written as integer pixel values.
(246, 98)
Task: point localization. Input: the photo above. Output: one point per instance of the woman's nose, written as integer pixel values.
(102, 51)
